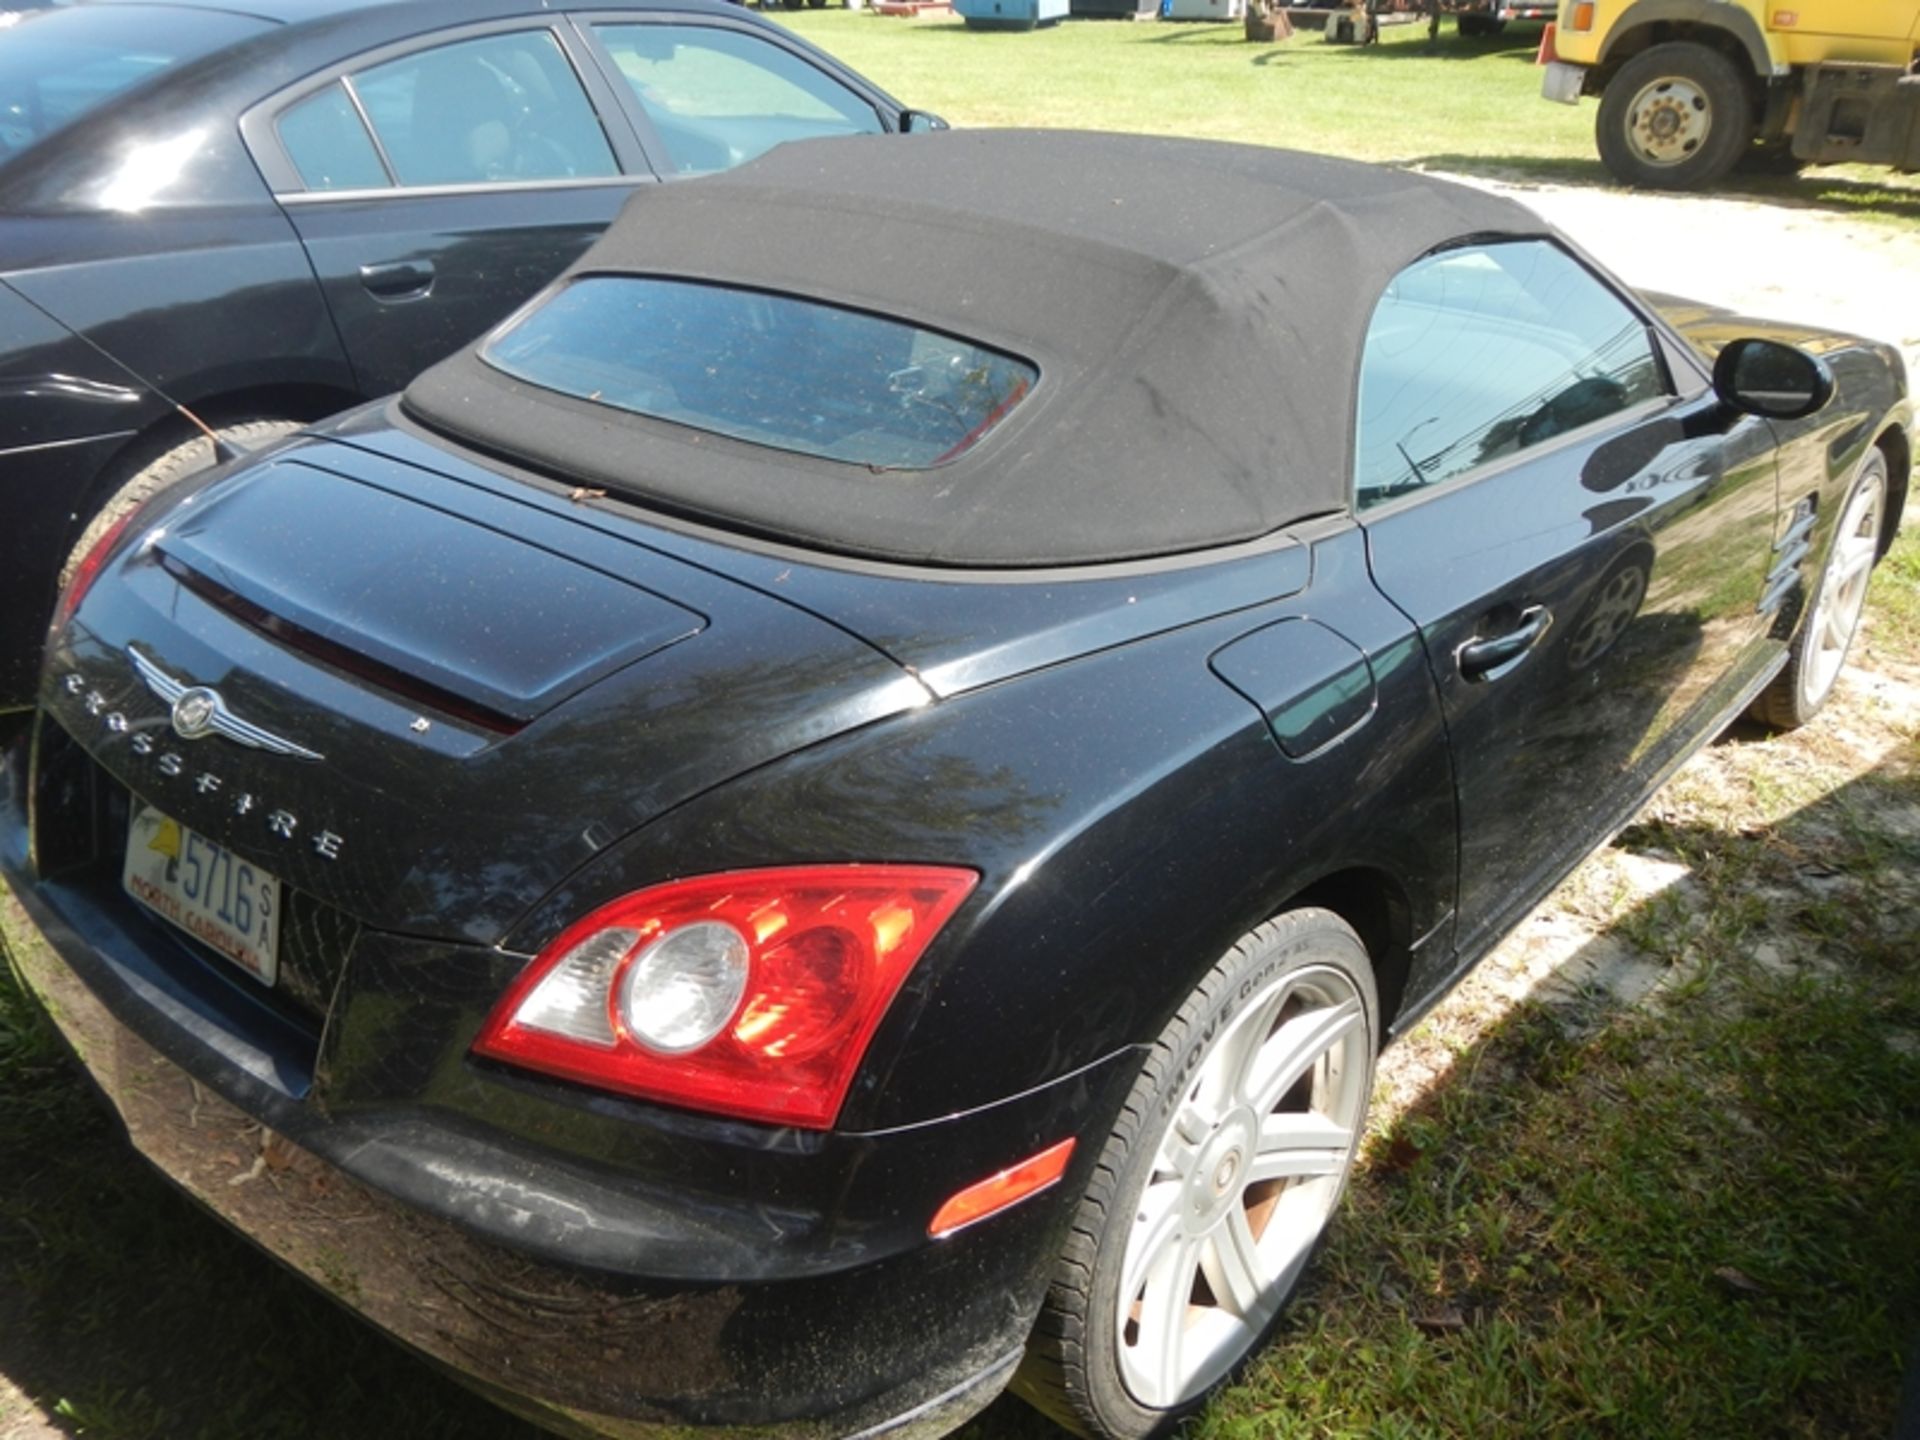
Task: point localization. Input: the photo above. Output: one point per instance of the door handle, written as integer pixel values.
(398, 279)
(1490, 657)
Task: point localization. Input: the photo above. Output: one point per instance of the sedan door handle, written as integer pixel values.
(398, 279)
(1490, 657)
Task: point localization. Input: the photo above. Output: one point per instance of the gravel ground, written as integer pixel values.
(1808, 265)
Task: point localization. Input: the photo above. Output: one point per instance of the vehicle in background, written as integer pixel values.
(239, 217)
(1490, 17)
(1689, 90)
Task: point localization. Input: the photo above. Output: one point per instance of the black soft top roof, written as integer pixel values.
(1196, 310)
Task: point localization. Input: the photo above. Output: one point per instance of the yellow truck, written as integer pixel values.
(1690, 88)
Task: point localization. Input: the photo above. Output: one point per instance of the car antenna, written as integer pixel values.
(222, 451)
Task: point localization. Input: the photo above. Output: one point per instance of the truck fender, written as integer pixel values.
(1714, 14)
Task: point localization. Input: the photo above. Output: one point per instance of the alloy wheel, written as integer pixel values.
(1842, 597)
(1250, 1163)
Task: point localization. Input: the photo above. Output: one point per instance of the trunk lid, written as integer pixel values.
(455, 697)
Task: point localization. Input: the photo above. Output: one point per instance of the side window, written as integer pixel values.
(717, 97)
(329, 146)
(499, 109)
(1483, 352)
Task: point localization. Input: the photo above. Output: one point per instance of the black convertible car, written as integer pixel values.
(242, 215)
(798, 836)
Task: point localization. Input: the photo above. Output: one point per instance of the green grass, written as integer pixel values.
(1898, 601)
(1471, 106)
(1691, 1217)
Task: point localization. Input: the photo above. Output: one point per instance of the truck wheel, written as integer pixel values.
(1476, 26)
(1675, 117)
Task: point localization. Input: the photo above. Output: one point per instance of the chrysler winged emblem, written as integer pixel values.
(199, 711)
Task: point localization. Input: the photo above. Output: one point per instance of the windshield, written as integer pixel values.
(56, 65)
(776, 370)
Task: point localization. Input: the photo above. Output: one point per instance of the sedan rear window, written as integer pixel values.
(57, 65)
(772, 369)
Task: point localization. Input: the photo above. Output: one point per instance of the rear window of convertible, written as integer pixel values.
(775, 370)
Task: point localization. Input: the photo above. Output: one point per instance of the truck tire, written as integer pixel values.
(1476, 26)
(1675, 117)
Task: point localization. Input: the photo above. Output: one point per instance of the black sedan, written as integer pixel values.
(246, 214)
(800, 835)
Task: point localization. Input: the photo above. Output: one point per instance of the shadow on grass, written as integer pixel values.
(1811, 190)
(1686, 1217)
(1672, 1192)
(126, 1312)
(1451, 45)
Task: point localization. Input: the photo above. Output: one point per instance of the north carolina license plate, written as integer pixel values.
(225, 903)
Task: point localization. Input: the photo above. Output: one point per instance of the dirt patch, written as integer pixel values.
(21, 1419)
(1809, 266)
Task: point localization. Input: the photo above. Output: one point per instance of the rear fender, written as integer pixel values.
(1131, 816)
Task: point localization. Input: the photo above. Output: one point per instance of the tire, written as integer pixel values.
(1832, 618)
(163, 470)
(1675, 117)
(1476, 27)
(1197, 1188)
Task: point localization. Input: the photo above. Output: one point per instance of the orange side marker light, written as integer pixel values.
(995, 1193)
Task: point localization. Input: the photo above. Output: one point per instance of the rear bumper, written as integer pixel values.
(590, 1301)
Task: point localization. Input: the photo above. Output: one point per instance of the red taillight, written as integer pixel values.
(751, 994)
(89, 568)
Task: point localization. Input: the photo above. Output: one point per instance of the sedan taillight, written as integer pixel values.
(89, 568)
(751, 994)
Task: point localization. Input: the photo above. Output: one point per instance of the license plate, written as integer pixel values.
(228, 905)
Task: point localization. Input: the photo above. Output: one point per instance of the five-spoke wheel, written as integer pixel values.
(1835, 604)
(1229, 1158)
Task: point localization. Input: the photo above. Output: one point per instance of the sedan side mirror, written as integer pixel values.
(1764, 377)
(919, 122)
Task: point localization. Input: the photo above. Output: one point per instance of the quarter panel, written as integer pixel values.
(1131, 816)
(65, 411)
(196, 306)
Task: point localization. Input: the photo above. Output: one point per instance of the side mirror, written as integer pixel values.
(919, 122)
(1764, 377)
